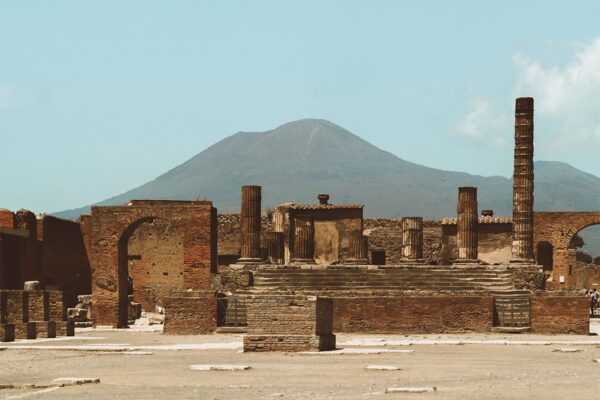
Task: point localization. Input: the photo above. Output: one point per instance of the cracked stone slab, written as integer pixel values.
(354, 351)
(396, 389)
(567, 350)
(382, 368)
(74, 381)
(219, 367)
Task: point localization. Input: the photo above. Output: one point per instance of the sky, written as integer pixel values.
(99, 97)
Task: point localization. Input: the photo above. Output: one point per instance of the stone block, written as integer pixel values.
(191, 314)
(37, 305)
(65, 328)
(7, 332)
(25, 330)
(57, 310)
(31, 285)
(13, 306)
(45, 329)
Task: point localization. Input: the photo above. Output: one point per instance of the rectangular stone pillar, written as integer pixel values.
(522, 245)
(289, 323)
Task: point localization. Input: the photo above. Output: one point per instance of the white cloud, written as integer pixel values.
(567, 98)
(483, 123)
(9, 98)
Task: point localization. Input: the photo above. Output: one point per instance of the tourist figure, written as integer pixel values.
(593, 300)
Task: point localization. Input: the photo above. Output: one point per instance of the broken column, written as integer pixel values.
(468, 221)
(359, 248)
(522, 245)
(273, 244)
(304, 243)
(412, 240)
(250, 225)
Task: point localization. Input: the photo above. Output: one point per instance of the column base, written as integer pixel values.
(467, 261)
(247, 260)
(356, 261)
(412, 261)
(303, 261)
(522, 261)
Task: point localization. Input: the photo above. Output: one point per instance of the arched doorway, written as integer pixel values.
(151, 265)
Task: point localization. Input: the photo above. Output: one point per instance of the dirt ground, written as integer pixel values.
(469, 366)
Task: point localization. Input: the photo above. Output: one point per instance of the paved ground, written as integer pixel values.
(527, 366)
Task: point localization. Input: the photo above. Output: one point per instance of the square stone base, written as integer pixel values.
(25, 330)
(45, 329)
(289, 343)
(65, 328)
(7, 332)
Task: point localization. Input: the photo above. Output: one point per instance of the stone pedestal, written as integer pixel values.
(468, 221)
(250, 225)
(412, 240)
(522, 247)
(304, 244)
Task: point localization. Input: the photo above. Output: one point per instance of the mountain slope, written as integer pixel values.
(297, 160)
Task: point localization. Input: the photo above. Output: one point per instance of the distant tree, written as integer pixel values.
(584, 257)
(597, 260)
(577, 242)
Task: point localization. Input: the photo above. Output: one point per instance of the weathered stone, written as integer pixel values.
(250, 224)
(468, 220)
(412, 239)
(522, 248)
(304, 243)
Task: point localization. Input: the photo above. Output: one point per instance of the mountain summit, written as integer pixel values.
(298, 160)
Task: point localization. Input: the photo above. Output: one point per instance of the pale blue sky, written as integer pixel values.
(99, 97)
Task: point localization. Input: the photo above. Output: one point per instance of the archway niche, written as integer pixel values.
(545, 256)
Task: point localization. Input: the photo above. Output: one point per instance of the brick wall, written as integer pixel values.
(289, 323)
(63, 257)
(190, 314)
(441, 314)
(155, 253)
(560, 314)
(109, 232)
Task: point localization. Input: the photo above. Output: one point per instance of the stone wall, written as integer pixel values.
(192, 313)
(289, 323)
(560, 314)
(109, 232)
(155, 258)
(404, 314)
(63, 258)
(228, 232)
(386, 234)
(33, 314)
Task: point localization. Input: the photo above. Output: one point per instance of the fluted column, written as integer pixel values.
(304, 243)
(273, 244)
(468, 221)
(522, 245)
(359, 248)
(250, 224)
(412, 239)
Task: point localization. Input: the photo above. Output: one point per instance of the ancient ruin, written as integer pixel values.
(293, 277)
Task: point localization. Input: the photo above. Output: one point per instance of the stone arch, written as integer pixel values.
(110, 229)
(558, 229)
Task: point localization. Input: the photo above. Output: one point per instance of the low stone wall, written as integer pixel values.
(190, 314)
(560, 314)
(398, 315)
(33, 314)
(289, 323)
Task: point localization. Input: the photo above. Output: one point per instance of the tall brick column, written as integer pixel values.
(468, 221)
(273, 243)
(522, 245)
(250, 225)
(412, 239)
(359, 248)
(304, 243)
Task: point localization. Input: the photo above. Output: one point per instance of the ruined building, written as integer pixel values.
(295, 277)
